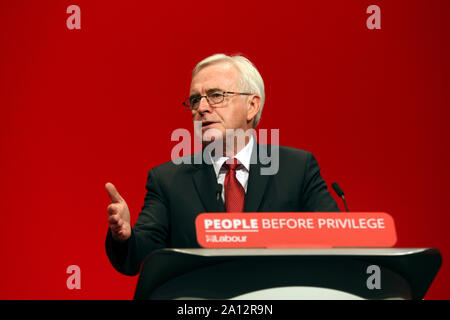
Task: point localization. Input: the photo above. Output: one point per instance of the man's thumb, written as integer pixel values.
(113, 193)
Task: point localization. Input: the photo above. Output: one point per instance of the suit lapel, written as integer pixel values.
(205, 182)
(257, 183)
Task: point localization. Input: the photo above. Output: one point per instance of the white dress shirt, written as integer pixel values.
(242, 173)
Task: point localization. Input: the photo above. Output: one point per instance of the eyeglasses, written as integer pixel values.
(213, 97)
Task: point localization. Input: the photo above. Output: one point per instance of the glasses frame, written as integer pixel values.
(186, 102)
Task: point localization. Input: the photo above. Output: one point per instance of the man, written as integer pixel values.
(227, 98)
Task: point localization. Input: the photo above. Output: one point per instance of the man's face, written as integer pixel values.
(232, 113)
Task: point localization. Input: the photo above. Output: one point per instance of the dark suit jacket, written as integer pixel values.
(176, 194)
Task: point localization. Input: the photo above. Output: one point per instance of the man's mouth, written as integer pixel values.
(207, 123)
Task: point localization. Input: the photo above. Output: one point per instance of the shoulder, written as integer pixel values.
(285, 154)
(175, 167)
(294, 153)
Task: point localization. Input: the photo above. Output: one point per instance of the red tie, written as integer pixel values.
(234, 192)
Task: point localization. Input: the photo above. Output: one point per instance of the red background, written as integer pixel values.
(83, 107)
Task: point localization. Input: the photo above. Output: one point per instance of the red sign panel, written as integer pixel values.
(295, 230)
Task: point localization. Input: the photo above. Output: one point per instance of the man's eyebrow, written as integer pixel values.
(214, 90)
(208, 91)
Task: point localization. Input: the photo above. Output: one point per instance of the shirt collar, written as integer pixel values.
(243, 156)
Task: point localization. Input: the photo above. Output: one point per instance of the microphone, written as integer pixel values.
(340, 193)
(219, 191)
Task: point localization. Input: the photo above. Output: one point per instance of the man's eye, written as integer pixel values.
(216, 95)
(194, 100)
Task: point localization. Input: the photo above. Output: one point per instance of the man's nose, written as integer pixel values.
(204, 105)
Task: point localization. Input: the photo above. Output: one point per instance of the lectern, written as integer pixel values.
(271, 274)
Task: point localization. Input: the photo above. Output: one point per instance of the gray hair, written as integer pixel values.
(250, 78)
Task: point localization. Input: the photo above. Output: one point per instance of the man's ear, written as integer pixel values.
(253, 106)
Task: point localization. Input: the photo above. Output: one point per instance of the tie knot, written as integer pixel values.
(232, 164)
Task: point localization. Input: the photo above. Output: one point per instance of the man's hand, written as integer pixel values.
(119, 214)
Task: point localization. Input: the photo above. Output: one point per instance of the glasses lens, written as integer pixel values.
(193, 102)
(215, 97)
